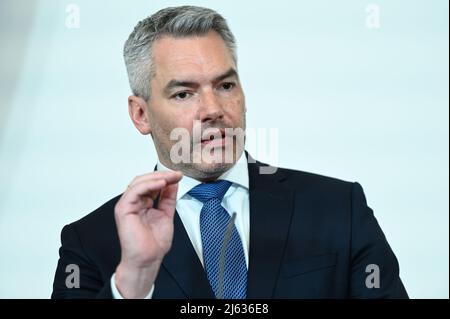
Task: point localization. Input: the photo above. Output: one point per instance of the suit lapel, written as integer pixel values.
(183, 265)
(270, 215)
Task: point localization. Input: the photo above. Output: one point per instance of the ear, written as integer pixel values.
(139, 114)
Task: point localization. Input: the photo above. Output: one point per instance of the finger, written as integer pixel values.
(147, 202)
(149, 189)
(170, 176)
(168, 199)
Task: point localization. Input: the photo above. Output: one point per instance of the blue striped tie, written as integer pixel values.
(228, 280)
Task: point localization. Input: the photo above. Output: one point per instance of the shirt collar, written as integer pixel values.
(237, 174)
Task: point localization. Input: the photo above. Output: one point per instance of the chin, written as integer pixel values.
(213, 168)
(207, 171)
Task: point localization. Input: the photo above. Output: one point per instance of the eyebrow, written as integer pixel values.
(192, 84)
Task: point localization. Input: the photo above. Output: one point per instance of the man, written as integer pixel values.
(215, 223)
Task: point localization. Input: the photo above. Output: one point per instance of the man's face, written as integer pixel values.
(196, 80)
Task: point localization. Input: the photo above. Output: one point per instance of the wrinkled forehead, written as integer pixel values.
(198, 58)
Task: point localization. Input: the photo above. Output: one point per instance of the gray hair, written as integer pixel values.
(178, 22)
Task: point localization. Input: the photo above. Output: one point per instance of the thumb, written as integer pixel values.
(168, 199)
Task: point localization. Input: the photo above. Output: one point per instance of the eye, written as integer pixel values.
(227, 86)
(181, 96)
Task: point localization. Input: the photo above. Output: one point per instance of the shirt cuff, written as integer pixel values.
(116, 294)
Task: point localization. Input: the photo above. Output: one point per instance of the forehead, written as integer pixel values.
(191, 57)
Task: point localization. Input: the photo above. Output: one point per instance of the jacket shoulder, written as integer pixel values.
(312, 179)
(97, 234)
(100, 216)
(297, 179)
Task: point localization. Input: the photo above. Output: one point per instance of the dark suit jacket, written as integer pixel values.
(310, 237)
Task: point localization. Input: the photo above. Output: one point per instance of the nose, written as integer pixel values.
(210, 108)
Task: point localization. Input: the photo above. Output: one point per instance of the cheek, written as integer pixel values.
(160, 123)
(241, 104)
(174, 120)
(238, 108)
(239, 101)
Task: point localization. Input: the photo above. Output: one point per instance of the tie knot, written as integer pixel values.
(206, 191)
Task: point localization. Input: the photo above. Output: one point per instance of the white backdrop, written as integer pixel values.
(350, 99)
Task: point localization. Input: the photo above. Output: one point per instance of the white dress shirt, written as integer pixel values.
(236, 200)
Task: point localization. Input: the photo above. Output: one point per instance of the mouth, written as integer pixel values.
(214, 140)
